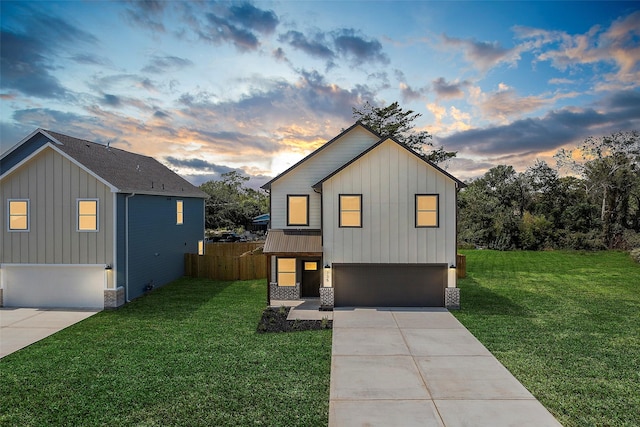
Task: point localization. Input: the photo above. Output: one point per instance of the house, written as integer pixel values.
(363, 221)
(89, 225)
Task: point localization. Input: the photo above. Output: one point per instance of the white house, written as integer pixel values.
(364, 221)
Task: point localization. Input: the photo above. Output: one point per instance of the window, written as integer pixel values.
(298, 210)
(87, 215)
(179, 212)
(18, 215)
(200, 247)
(427, 210)
(311, 265)
(351, 210)
(286, 271)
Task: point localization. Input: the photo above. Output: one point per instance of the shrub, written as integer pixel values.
(635, 254)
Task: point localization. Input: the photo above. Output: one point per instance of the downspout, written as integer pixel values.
(126, 244)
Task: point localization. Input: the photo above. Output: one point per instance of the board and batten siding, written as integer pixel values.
(388, 178)
(315, 168)
(53, 184)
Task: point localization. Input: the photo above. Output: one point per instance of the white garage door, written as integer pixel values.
(61, 286)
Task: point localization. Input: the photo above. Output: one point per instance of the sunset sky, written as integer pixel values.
(210, 87)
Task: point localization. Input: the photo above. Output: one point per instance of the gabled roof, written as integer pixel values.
(267, 186)
(125, 172)
(318, 185)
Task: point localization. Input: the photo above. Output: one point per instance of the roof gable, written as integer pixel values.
(267, 186)
(123, 171)
(460, 184)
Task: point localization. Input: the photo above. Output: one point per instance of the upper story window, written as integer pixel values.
(427, 210)
(18, 215)
(87, 214)
(298, 209)
(350, 210)
(179, 212)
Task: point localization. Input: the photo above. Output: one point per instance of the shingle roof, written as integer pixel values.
(128, 172)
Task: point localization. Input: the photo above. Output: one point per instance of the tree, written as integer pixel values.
(610, 167)
(393, 121)
(230, 204)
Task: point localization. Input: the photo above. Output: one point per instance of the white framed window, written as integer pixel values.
(427, 210)
(179, 212)
(298, 209)
(200, 247)
(286, 271)
(87, 214)
(18, 215)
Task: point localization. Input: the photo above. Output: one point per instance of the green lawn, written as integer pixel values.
(187, 354)
(566, 324)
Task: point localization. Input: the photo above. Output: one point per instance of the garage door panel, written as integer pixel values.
(389, 285)
(53, 286)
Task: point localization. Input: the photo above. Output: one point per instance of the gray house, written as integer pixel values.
(363, 221)
(88, 225)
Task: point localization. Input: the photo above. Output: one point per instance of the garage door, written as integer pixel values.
(389, 285)
(61, 286)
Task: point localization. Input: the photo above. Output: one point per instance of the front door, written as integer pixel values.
(310, 278)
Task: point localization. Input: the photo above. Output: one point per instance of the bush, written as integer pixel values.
(635, 254)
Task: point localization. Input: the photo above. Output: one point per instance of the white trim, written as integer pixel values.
(26, 230)
(113, 188)
(81, 199)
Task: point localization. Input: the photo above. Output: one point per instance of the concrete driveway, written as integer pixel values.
(20, 327)
(421, 367)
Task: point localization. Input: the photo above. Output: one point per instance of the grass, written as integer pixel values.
(187, 354)
(566, 324)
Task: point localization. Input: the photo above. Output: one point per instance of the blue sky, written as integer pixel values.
(210, 87)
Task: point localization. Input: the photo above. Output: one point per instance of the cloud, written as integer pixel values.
(111, 100)
(449, 90)
(619, 111)
(90, 59)
(344, 43)
(163, 64)
(483, 55)
(408, 93)
(27, 56)
(200, 165)
(354, 46)
(236, 24)
(147, 13)
(616, 45)
(315, 45)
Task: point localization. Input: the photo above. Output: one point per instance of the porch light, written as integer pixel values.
(452, 278)
(108, 267)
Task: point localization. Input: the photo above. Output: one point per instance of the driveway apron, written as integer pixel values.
(421, 367)
(20, 327)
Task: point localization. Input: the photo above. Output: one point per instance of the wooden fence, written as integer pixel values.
(244, 261)
(461, 265)
(228, 261)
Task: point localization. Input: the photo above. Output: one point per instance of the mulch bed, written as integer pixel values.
(275, 320)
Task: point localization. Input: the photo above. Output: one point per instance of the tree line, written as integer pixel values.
(595, 206)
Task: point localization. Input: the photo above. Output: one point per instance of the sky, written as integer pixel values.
(208, 87)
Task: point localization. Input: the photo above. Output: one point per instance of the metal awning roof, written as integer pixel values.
(294, 242)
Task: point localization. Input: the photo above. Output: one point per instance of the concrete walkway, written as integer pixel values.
(421, 367)
(20, 327)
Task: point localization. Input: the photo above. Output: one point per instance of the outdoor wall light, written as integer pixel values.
(108, 267)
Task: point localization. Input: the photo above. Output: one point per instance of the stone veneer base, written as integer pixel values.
(452, 298)
(326, 297)
(284, 292)
(114, 298)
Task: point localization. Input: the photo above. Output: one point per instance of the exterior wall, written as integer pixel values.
(300, 179)
(53, 184)
(156, 243)
(388, 178)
